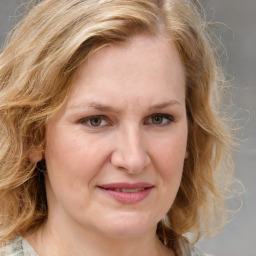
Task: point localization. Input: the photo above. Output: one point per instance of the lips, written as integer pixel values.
(127, 193)
(128, 190)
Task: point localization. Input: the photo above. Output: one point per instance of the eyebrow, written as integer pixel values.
(97, 106)
(165, 104)
(107, 108)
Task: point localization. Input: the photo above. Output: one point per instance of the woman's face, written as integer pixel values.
(115, 150)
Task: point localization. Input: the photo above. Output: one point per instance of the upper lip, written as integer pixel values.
(126, 185)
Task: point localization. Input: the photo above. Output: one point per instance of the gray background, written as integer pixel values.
(238, 35)
(235, 26)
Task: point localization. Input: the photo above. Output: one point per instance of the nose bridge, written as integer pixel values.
(130, 153)
(132, 140)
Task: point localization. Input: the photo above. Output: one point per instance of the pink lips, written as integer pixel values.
(127, 193)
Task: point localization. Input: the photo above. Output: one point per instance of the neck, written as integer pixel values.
(61, 240)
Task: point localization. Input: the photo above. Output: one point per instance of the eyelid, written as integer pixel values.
(85, 121)
(169, 118)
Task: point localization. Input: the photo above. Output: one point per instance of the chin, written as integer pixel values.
(128, 225)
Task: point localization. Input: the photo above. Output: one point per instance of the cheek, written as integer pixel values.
(73, 161)
(170, 154)
(74, 153)
(168, 158)
(168, 163)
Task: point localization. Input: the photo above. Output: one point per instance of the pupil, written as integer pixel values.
(157, 120)
(95, 121)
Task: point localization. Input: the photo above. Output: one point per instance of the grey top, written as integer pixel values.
(21, 247)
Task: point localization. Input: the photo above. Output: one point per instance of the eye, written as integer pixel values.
(159, 119)
(94, 121)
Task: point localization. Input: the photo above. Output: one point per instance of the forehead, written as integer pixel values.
(148, 63)
(146, 51)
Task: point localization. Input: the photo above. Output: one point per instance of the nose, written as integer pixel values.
(130, 152)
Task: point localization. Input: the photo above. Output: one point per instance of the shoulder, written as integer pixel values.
(18, 247)
(196, 252)
(13, 248)
(185, 249)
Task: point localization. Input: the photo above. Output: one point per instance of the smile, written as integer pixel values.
(127, 193)
(128, 190)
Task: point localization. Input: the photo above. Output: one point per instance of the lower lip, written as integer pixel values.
(127, 197)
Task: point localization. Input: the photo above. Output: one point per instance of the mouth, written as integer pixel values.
(127, 193)
(127, 187)
(126, 190)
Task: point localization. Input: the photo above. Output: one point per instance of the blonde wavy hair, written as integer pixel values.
(37, 66)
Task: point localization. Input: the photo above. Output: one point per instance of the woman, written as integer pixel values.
(110, 141)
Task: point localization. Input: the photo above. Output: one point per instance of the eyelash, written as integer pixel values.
(88, 120)
(169, 119)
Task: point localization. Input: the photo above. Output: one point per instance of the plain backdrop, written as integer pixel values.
(235, 26)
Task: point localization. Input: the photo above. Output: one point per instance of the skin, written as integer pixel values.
(137, 93)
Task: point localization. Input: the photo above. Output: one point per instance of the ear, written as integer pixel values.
(35, 155)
